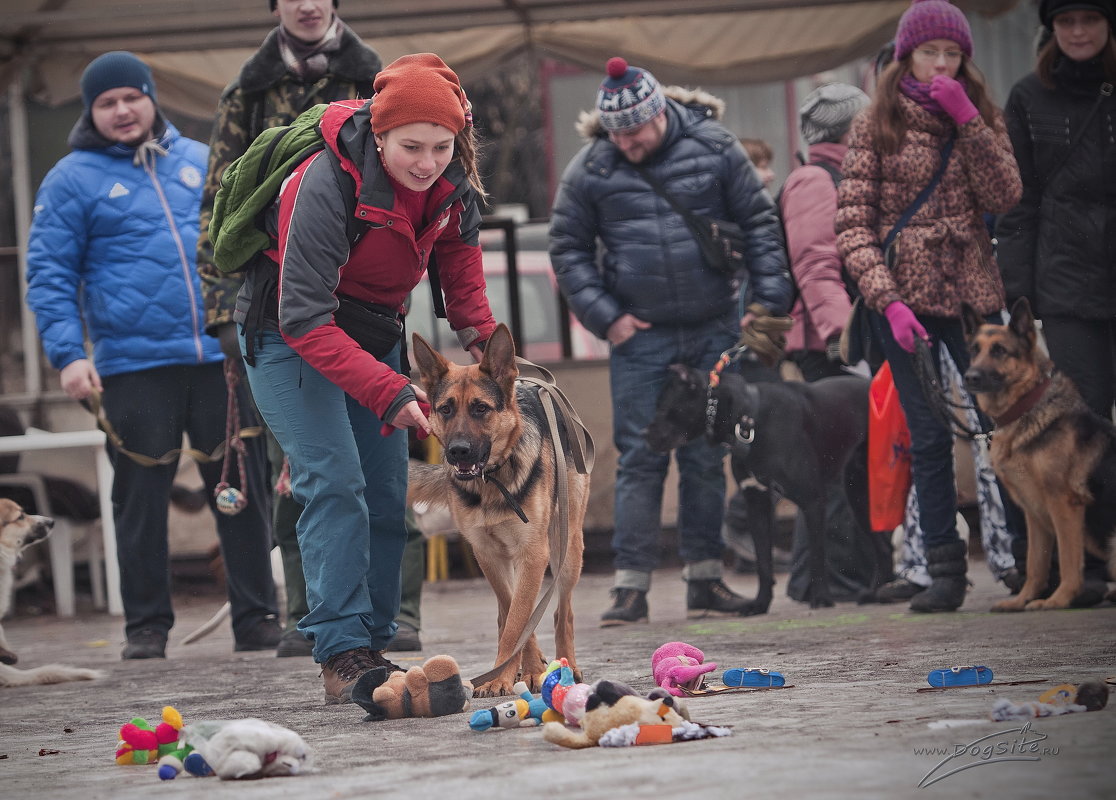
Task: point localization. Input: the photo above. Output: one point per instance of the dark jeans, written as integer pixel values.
(150, 410)
(637, 371)
(931, 440)
(1085, 350)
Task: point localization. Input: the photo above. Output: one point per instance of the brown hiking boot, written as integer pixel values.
(342, 670)
(378, 660)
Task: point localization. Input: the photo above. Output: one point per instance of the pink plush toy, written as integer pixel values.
(677, 664)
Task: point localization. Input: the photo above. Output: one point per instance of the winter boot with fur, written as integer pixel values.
(947, 565)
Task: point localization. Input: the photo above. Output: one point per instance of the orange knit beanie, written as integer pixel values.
(418, 88)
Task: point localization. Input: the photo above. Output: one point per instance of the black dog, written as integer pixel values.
(795, 438)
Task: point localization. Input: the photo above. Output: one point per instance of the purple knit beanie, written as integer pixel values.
(932, 19)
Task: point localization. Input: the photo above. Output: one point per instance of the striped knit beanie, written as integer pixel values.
(827, 112)
(932, 19)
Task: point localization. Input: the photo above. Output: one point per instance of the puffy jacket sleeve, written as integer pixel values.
(751, 207)
(461, 272)
(55, 265)
(1017, 230)
(228, 142)
(858, 218)
(990, 166)
(809, 205)
(573, 254)
(313, 246)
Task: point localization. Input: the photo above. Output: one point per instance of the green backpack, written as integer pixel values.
(251, 184)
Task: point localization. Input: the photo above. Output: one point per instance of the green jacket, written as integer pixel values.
(265, 95)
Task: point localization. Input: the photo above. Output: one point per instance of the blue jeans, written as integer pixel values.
(637, 372)
(352, 484)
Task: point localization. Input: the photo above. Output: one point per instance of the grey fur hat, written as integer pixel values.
(828, 111)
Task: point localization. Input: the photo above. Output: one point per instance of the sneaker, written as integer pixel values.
(406, 639)
(711, 597)
(628, 606)
(264, 635)
(293, 644)
(145, 643)
(342, 670)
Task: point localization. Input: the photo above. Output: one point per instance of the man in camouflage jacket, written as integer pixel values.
(311, 57)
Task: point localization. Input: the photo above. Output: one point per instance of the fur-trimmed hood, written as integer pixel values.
(697, 100)
(353, 61)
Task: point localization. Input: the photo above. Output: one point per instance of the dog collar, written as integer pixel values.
(1023, 404)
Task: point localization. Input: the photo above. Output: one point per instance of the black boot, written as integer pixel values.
(946, 564)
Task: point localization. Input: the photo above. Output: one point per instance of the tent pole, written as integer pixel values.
(21, 191)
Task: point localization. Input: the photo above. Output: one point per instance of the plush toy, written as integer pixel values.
(573, 706)
(433, 690)
(248, 748)
(612, 704)
(616, 717)
(556, 684)
(677, 665)
(174, 764)
(140, 743)
(526, 712)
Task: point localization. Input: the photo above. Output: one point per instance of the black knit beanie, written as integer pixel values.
(113, 70)
(1048, 9)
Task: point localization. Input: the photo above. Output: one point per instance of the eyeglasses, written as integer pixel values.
(933, 55)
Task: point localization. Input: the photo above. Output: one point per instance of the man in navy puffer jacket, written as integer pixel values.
(111, 250)
(653, 297)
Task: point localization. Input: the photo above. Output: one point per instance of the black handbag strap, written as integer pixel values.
(924, 195)
(685, 213)
(1105, 93)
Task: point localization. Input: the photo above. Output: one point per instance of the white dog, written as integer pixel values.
(17, 531)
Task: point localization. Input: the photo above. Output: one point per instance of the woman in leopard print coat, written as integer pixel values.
(930, 95)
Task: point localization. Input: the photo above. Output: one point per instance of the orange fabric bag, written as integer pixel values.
(889, 453)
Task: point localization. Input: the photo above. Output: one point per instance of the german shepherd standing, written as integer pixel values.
(494, 434)
(1056, 457)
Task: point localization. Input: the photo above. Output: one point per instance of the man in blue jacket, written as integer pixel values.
(111, 251)
(651, 294)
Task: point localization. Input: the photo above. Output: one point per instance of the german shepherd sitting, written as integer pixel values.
(494, 434)
(794, 437)
(17, 531)
(1056, 457)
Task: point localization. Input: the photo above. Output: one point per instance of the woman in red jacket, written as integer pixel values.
(930, 108)
(325, 356)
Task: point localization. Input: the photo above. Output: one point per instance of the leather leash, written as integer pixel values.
(582, 451)
(94, 406)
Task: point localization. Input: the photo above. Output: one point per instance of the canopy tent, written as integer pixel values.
(197, 46)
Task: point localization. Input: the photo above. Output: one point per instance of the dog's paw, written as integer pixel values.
(498, 687)
(8, 657)
(1051, 603)
(1013, 604)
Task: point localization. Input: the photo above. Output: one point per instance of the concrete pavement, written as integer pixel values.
(852, 726)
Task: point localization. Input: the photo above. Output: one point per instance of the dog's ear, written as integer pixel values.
(970, 320)
(432, 366)
(1022, 322)
(499, 359)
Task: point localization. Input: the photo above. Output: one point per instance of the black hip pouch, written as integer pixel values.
(375, 328)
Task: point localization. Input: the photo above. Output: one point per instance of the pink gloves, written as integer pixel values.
(904, 325)
(950, 95)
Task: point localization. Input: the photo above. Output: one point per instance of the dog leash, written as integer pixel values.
(94, 405)
(940, 404)
(583, 454)
(745, 429)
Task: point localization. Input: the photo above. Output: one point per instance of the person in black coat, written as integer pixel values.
(1057, 248)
